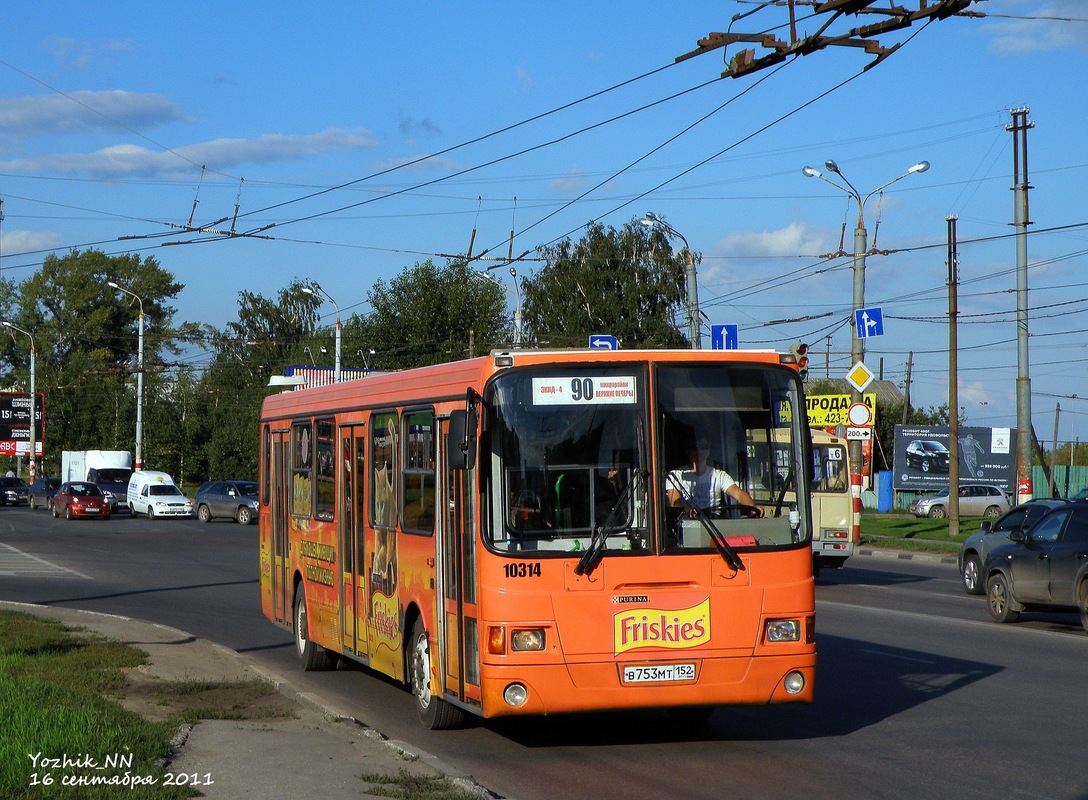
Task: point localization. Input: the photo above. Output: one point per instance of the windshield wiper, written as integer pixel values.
(592, 556)
(725, 550)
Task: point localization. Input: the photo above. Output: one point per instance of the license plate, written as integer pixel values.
(659, 673)
(93, 510)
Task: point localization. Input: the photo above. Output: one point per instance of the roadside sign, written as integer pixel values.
(724, 337)
(860, 376)
(859, 434)
(600, 341)
(15, 424)
(869, 322)
(860, 415)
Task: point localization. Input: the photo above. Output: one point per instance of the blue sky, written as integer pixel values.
(305, 120)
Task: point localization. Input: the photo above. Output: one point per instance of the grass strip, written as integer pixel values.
(64, 737)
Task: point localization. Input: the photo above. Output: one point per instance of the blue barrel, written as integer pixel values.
(885, 494)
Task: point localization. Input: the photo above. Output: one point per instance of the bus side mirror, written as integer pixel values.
(461, 440)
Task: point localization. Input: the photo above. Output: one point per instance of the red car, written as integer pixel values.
(80, 499)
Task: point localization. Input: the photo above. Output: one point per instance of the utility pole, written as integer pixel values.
(906, 388)
(953, 383)
(1053, 451)
(1019, 129)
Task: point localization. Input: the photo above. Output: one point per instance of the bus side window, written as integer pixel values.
(418, 473)
(301, 469)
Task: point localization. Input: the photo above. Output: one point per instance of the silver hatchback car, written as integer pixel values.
(981, 500)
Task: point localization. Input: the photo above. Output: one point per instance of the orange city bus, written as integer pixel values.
(497, 534)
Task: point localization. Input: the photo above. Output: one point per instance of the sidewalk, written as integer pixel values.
(322, 752)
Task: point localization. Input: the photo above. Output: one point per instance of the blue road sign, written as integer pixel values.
(869, 322)
(724, 337)
(600, 341)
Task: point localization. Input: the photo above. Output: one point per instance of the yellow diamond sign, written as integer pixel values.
(860, 376)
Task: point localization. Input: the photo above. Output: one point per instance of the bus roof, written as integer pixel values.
(451, 380)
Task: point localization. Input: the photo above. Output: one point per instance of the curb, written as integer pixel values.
(935, 558)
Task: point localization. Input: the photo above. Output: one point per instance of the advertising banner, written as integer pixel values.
(986, 455)
(15, 423)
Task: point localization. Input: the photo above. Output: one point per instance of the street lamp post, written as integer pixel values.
(652, 220)
(857, 345)
(33, 400)
(316, 287)
(139, 377)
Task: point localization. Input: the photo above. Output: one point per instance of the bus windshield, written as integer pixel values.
(570, 458)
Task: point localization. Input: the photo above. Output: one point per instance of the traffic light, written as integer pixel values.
(800, 356)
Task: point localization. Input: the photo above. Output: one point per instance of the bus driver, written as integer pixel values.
(704, 486)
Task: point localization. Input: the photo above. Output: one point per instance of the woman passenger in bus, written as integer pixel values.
(704, 487)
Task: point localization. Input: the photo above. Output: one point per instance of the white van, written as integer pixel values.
(154, 494)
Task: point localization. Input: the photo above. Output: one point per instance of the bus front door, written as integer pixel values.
(458, 623)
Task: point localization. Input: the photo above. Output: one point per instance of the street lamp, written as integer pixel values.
(313, 288)
(857, 346)
(33, 399)
(139, 377)
(652, 220)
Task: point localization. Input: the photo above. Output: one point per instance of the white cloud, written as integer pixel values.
(127, 160)
(417, 164)
(796, 239)
(1049, 30)
(573, 181)
(15, 243)
(83, 112)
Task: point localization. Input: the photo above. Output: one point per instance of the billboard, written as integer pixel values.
(15, 423)
(921, 461)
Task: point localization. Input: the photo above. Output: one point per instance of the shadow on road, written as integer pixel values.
(858, 684)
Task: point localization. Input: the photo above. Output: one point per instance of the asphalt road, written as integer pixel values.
(917, 694)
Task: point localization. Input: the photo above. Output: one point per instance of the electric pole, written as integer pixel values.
(1024, 436)
(953, 383)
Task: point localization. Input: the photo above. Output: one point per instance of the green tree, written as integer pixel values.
(430, 315)
(628, 283)
(85, 334)
(222, 417)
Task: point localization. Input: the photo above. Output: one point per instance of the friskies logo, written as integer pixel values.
(637, 628)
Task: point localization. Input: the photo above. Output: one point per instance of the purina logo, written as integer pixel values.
(638, 628)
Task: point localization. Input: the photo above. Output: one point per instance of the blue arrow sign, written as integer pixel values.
(603, 342)
(724, 337)
(869, 322)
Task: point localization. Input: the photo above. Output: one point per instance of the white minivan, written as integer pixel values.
(154, 494)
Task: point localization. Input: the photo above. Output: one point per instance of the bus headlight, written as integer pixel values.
(515, 695)
(794, 683)
(783, 630)
(532, 639)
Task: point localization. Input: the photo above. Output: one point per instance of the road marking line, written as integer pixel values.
(15, 562)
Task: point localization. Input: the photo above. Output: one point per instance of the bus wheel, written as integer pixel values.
(434, 713)
(310, 656)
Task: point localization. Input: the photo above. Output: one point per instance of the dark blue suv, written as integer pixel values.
(1044, 568)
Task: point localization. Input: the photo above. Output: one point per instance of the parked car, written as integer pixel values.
(13, 491)
(235, 500)
(42, 491)
(1044, 568)
(927, 455)
(977, 546)
(1081, 495)
(975, 501)
(81, 499)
